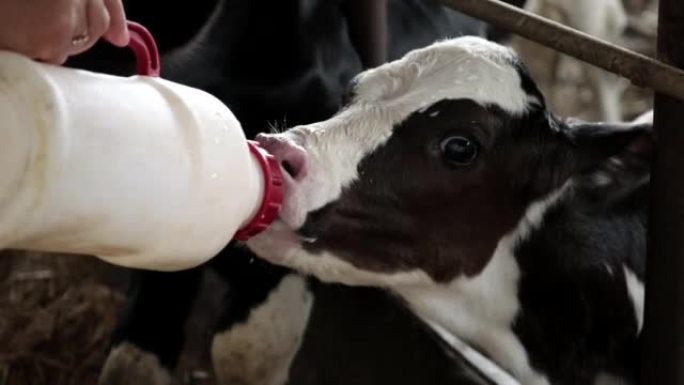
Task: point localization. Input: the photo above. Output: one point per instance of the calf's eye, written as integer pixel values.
(459, 150)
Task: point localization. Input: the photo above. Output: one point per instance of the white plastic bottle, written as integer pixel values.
(139, 171)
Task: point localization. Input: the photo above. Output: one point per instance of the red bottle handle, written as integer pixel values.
(145, 49)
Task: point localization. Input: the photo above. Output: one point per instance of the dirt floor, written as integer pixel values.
(56, 312)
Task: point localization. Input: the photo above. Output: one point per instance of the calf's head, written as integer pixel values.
(436, 158)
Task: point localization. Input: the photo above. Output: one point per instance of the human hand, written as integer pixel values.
(53, 30)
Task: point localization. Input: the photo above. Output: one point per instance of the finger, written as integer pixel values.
(56, 42)
(118, 32)
(56, 60)
(60, 60)
(53, 57)
(97, 23)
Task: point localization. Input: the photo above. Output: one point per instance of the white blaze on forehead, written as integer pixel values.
(463, 68)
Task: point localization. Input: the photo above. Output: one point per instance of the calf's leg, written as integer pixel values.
(149, 337)
(266, 313)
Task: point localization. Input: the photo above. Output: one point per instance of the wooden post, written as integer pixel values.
(663, 339)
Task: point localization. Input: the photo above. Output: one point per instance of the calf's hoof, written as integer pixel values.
(127, 364)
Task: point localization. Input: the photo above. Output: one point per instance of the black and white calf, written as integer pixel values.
(269, 61)
(448, 181)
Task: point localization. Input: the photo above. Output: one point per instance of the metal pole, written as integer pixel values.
(663, 338)
(641, 70)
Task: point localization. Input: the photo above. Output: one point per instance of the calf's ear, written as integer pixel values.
(612, 160)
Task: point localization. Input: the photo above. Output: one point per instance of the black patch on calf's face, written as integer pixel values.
(410, 210)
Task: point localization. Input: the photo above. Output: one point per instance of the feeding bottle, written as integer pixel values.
(140, 171)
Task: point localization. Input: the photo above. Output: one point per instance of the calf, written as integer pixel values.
(448, 181)
(269, 61)
(290, 63)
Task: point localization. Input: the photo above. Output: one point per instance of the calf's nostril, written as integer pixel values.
(289, 168)
(292, 157)
(293, 160)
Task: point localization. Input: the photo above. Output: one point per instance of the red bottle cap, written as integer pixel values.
(273, 193)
